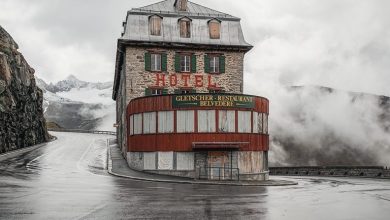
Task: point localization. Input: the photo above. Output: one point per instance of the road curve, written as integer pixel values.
(67, 179)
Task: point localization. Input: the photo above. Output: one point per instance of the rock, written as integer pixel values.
(22, 123)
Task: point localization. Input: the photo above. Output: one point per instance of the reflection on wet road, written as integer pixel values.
(67, 179)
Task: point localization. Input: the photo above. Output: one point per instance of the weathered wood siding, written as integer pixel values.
(156, 126)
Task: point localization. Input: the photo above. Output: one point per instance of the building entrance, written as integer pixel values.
(219, 165)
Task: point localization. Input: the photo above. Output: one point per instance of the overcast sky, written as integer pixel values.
(338, 43)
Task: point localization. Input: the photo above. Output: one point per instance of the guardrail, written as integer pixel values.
(339, 171)
(83, 131)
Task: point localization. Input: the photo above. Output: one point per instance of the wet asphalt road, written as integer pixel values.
(67, 179)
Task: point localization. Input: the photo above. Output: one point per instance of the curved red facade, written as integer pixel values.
(250, 139)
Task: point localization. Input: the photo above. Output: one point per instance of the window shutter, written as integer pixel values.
(148, 92)
(165, 91)
(206, 64)
(164, 62)
(193, 63)
(177, 63)
(177, 91)
(193, 90)
(148, 60)
(222, 64)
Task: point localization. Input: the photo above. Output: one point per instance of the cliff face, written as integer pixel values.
(21, 115)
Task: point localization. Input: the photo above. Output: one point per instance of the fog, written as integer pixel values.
(342, 44)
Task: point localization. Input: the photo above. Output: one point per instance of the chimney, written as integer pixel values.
(181, 5)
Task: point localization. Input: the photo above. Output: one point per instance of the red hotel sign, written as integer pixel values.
(186, 80)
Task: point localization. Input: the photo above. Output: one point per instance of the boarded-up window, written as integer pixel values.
(131, 127)
(255, 122)
(244, 122)
(138, 124)
(185, 121)
(259, 123)
(227, 121)
(165, 160)
(185, 28)
(185, 161)
(206, 121)
(155, 25)
(182, 5)
(150, 123)
(265, 123)
(150, 161)
(165, 122)
(215, 29)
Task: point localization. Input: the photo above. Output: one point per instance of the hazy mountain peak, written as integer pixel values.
(72, 78)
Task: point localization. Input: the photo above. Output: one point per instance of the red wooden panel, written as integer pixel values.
(183, 142)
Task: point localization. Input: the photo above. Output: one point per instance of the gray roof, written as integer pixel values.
(136, 27)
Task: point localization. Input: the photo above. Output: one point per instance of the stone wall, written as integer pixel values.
(137, 79)
(21, 115)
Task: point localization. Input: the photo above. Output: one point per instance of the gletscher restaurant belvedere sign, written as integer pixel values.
(212, 100)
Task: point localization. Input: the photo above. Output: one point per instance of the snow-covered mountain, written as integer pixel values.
(76, 104)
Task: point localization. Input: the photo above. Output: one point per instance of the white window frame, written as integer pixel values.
(214, 64)
(187, 63)
(156, 62)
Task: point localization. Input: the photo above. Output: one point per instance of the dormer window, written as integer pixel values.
(155, 25)
(181, 5)
(185, 27)
(215, 29)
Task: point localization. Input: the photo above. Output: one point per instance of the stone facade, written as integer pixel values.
(21, 115)
(137, 79)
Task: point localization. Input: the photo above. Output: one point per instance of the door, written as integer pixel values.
(217, 162)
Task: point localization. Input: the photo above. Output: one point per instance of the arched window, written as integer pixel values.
(155, 25)
(185, 27)
(215, 29)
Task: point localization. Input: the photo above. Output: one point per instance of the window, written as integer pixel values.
(227, 121)
(185, 91)
(265, 123)
(155, 25)
(244, 121)
(138, 123)
(155, 91)
(185, 27)
(185, 121)
(216, 91)
(156, 62)
(131, 127)
(165, 122)
(181, 5)
(149, 123)
(206, 121)
(215, 29)
(257, 122)
(185, 63)
(214, 63)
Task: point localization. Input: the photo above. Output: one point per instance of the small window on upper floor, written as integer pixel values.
(155, 25)
(215, 29)
(181, 5)
(185, 27)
